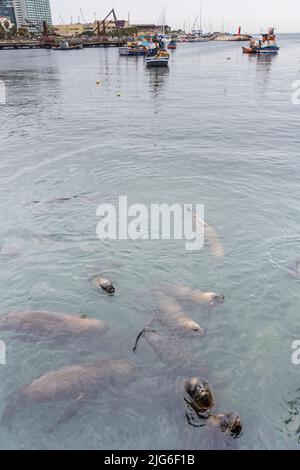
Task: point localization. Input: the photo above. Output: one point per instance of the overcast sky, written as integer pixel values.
(252, 15)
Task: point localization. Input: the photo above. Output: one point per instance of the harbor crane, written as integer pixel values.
(102, 25)
(46, 32)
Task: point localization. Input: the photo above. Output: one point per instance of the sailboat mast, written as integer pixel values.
(201, 31)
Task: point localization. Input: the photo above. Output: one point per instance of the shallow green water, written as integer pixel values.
(219, 132)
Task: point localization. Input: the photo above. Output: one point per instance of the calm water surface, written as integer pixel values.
(210, 130)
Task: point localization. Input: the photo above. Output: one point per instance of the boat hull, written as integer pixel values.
(157, 62)
(261, 50)
(248, 50)
(267, 50)
(127, 52)
(69, 48)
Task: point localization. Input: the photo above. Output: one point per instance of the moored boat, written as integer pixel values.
(161, 59)
(65, 46)
(134, 49)
(172, 44)
(267, 44)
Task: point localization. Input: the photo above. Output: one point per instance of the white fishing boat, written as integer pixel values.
(65, 46)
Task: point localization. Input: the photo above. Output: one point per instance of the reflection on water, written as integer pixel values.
(157, 79)
(96, 125)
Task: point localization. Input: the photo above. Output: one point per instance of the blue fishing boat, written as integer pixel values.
(172, 44)
(161, 59)
(267, 44)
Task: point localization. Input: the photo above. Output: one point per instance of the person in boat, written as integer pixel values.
(152, 49)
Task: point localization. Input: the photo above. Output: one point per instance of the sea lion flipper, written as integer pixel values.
(68, 414)
(141, 334)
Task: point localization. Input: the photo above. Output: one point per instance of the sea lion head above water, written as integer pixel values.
(188, 326)
(199, 395)
(218, 298)
(209, 298)
(105, 284)
(108, 287)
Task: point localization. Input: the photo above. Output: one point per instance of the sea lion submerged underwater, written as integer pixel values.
(171, 315)
(211, 236)
(74, 384)
(198, 297)
(227, 423)
(51, 325)
(177, 361)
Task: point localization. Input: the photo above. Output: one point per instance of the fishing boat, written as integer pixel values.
(266, 44)
(134, 49)
(65, 46)
(172, 44)
(161, 59)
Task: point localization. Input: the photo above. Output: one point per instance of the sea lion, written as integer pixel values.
(74, 384)
(227, 424)
(202, 298)
(198, 395)
(105, 284)
(212, 237)
(50, 325)
(170, 314)
(177, 361)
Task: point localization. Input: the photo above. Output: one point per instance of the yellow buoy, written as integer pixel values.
(98, 82)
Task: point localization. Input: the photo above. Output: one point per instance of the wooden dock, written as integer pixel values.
(33, 44)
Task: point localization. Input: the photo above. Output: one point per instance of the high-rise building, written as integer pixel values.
(7, 10)
(19, 7)
(38, 11)
(35, 11)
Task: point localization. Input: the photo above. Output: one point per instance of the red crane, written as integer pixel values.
(102, 25)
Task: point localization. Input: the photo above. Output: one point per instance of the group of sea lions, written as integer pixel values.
(198, 394)
(76, 384)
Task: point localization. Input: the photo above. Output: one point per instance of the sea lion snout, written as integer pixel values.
(110, 289)
(107, 286)
(220, 299)
(197, 330)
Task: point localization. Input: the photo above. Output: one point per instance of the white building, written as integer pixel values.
(20, 9)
